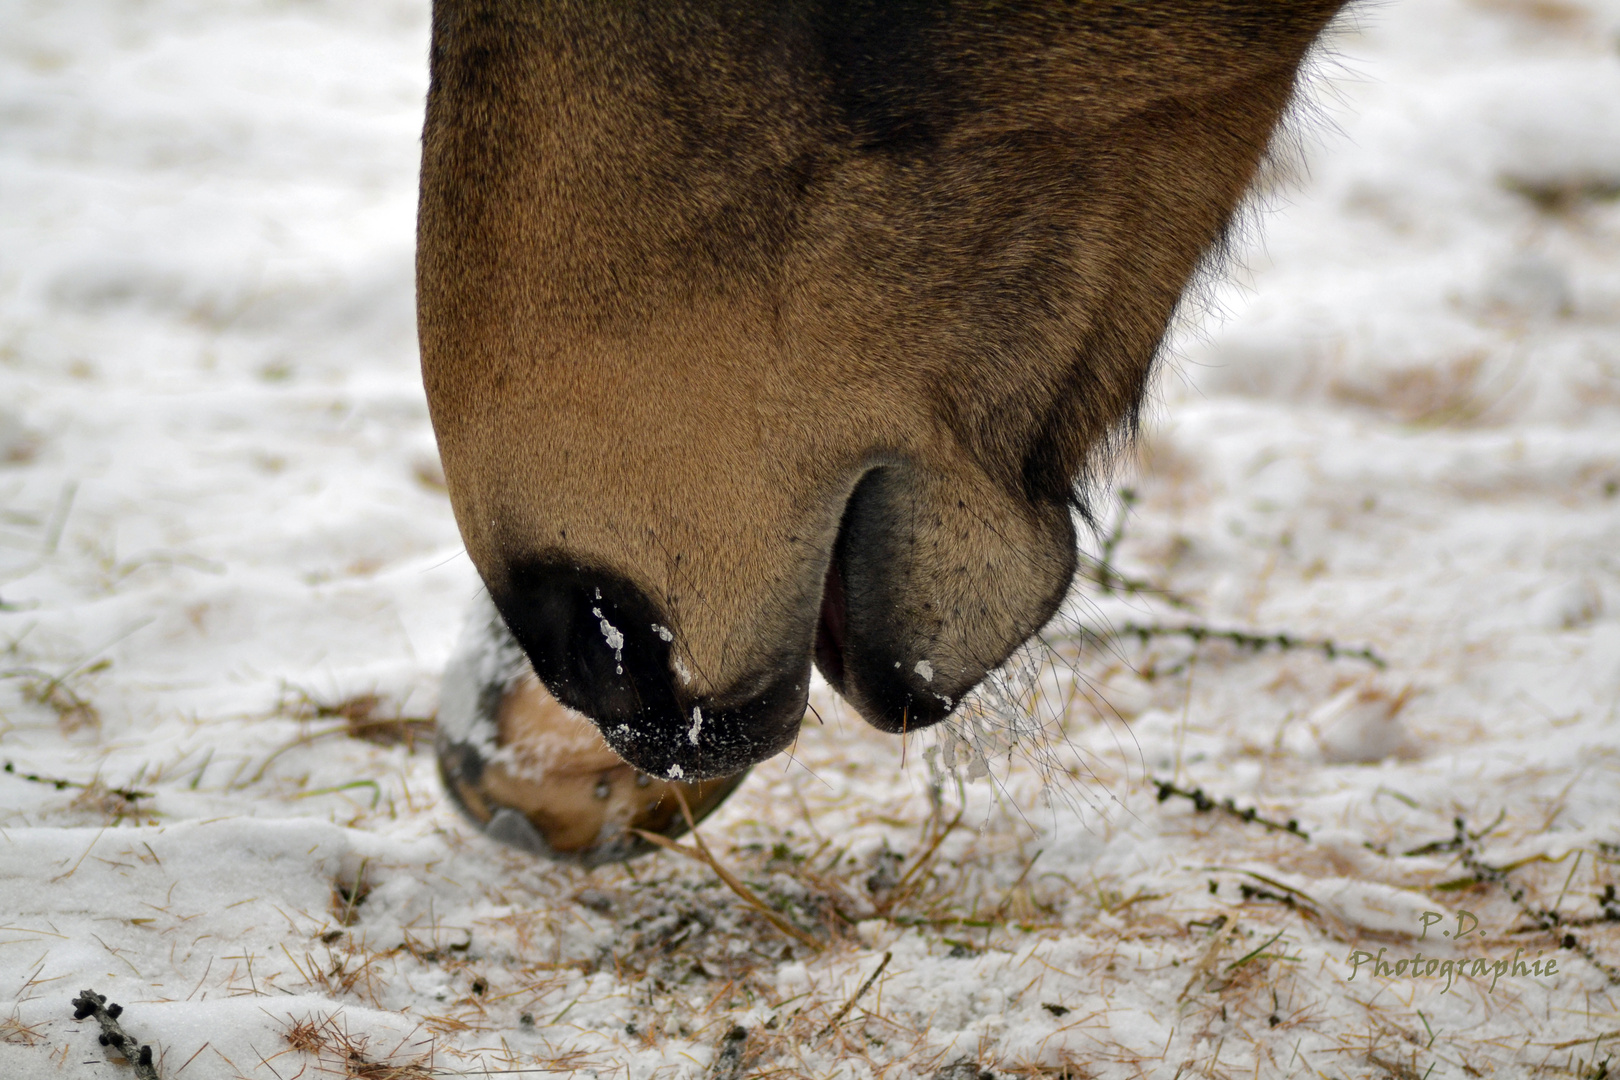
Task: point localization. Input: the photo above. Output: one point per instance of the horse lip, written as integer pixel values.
(866, 645)
(831, 627)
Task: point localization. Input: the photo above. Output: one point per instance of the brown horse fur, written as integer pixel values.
(757, 331)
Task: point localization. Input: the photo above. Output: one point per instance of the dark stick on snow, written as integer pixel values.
(1546, 920)
(127, 794)
(1197, 633)
(88, 1004)
(1203, 804)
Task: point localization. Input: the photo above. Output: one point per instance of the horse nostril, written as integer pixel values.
(602, 649)
(533, 774)
(593, 640)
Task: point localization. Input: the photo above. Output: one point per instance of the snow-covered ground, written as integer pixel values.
(224, 548)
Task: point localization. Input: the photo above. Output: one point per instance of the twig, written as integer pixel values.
(1248, 640)
(1127, 499)
(1202, 803)
(1455, 842)
(703, 855)
(1547, 920)
(850, 1004)
(1286, 894)
(127, 794)
(1107, 577)
(1109, 580)
(88, 1004)
(1198, 633)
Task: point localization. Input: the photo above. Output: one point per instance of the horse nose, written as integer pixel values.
(594, 639)
(603, 649)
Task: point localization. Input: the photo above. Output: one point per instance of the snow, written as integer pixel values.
(611, 635)
(224, 543)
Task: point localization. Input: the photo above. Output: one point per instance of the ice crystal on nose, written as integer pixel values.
(613, 637)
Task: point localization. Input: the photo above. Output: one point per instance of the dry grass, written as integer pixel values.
(62, 694)
(16, 1033)
(349, 968)
(1559, 14)
(337, 1051)
(1564, 197)
(1455, 391)
(367, 717)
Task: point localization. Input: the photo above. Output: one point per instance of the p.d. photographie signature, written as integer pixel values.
(1418, 966)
